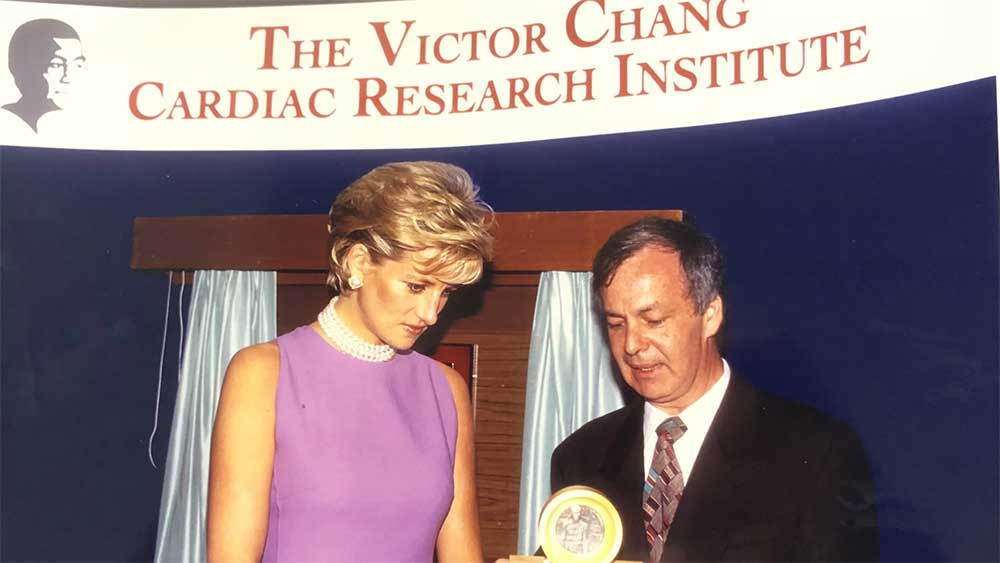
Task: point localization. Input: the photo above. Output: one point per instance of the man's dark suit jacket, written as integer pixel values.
(773, 481)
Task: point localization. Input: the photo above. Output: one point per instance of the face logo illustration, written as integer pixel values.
(45, 58)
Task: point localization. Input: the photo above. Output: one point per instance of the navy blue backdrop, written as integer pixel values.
(862, 249)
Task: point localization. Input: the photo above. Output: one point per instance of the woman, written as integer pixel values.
(336, 442)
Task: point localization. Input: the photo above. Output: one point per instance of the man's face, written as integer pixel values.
(662, 345)
(62, 67)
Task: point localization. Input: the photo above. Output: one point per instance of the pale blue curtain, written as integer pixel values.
(570, 382)
(229, 310)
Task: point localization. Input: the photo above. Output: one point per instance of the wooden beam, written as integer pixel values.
(230, 242)
(541, 241)
(526, 241)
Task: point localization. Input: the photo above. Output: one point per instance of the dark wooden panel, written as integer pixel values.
(565, 240)
(230, 242)
(526, 242)
(461, 358)
(503, 362)
(299, 304)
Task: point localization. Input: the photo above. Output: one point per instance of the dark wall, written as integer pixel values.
(863, 270)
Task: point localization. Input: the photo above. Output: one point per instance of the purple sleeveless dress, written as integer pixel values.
(364, 454)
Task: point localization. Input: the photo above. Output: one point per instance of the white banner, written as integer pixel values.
(451, 73)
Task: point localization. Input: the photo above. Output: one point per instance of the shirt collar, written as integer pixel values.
(697, 417)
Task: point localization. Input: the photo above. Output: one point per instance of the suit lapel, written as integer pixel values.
(725, 461)
(623, 471)
(697, 532)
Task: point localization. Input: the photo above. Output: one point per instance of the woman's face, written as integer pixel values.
(398, 301)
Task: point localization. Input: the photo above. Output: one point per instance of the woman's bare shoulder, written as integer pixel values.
(265, 353)
(255, 366)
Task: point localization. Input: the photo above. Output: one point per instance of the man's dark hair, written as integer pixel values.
(699, 255)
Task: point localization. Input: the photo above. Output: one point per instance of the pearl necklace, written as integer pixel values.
(348, 342)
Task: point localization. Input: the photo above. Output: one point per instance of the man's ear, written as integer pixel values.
(712, 317)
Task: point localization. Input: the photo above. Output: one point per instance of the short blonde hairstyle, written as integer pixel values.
(406, 207)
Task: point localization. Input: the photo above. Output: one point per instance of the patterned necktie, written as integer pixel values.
(663, 488)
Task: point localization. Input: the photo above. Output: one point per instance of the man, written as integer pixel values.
(703, 466)
(44, 57)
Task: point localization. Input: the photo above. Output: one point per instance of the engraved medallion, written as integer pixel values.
(580, 525)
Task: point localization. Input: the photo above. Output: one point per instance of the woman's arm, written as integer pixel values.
(242, 456)
(458, 540)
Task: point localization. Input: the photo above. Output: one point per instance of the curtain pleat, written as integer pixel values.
(229, 310)
(570, 381)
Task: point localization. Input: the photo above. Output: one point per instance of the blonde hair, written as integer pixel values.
(406, 207)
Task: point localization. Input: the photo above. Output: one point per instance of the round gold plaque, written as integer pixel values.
(580, 525)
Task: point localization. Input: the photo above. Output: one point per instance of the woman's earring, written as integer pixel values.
(354, 282)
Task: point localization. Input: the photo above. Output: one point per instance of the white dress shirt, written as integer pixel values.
(697, 418)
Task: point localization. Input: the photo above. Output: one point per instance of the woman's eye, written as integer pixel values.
(415, 287)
